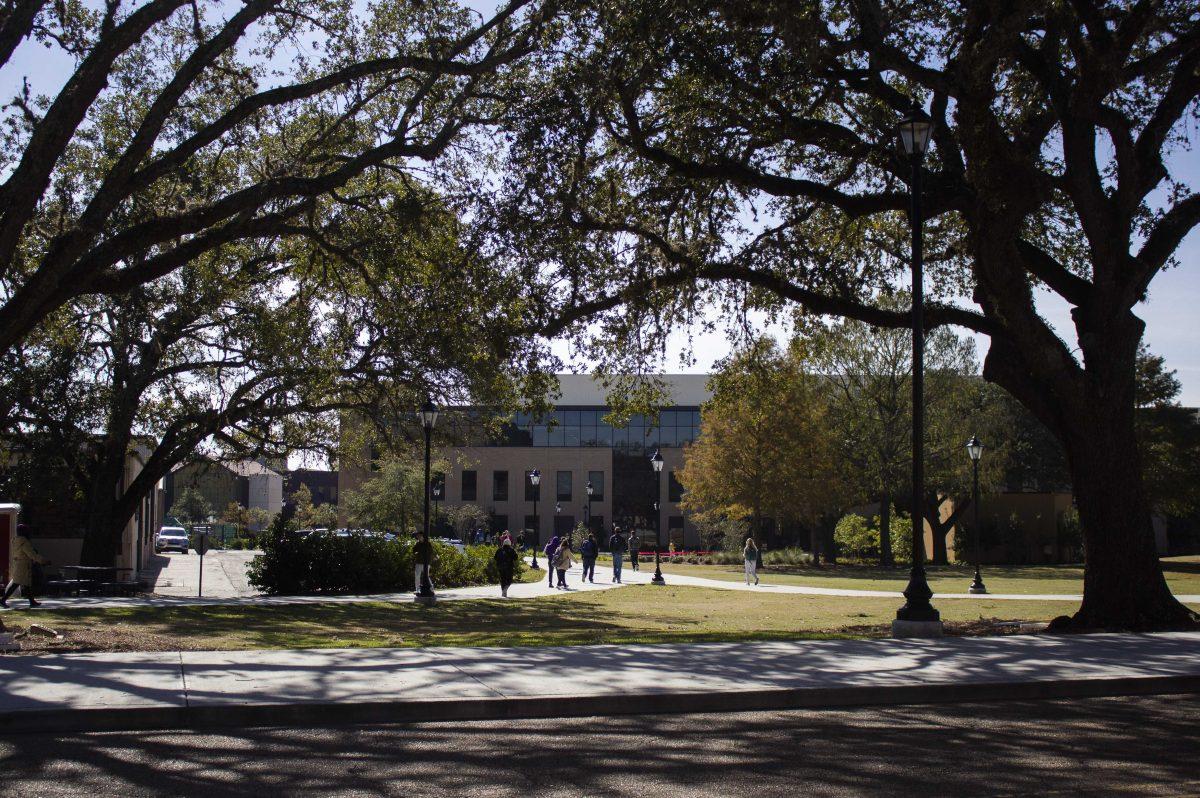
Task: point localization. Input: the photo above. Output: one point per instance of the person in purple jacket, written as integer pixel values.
(550, 550)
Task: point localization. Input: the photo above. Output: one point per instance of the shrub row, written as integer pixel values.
(293, 564)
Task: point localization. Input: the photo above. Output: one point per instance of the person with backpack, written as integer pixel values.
(635, 549)
(750, 555)
(506, 564)
(616, 545)
(589, 550)
(550, 550)
(563, 562)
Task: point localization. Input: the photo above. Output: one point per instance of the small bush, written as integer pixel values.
(857, 538)
(788, 556)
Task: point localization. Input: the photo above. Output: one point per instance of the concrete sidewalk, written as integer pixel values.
(319, 686)
(529, 590)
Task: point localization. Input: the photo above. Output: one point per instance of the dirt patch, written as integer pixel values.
(113, 637)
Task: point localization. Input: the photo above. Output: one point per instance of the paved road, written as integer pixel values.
(175, 574)
(1110, 747)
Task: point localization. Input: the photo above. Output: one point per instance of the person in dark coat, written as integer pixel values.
(550, 550)
(635, 549)
(422, 554)
(617, 546)
(589, 550)
(506, 564)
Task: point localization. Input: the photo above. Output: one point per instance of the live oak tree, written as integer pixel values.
(679, 154)
(253, 350)
(184, 126)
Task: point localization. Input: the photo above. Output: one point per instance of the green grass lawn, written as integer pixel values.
(636, 614)
(1183, 576)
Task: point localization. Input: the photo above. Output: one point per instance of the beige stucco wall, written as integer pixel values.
(549, 460)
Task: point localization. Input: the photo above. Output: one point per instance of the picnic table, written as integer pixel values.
(92, 579)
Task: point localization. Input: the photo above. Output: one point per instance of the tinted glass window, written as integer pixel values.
(597, 480)
(468, 486)
(563, 494)
(500, 486)
(674, 488)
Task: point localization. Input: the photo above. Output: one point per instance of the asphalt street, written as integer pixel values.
(1112, 746)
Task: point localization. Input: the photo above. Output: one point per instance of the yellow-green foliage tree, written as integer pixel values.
(765, 448)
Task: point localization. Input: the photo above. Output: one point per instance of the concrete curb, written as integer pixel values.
(227, 716)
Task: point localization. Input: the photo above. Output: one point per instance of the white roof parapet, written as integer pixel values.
(685, 390)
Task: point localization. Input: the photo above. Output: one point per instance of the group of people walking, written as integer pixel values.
(559, 553)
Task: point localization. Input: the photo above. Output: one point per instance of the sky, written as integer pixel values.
(1170, 310)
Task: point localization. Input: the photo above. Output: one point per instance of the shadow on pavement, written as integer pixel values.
(1096, 746)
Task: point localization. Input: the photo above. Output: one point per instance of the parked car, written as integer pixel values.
(172, 538)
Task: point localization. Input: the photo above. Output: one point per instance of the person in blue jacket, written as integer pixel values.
(550, 550)
(617, 545)
(588, 551)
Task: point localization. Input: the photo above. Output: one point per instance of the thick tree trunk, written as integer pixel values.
(886, 558)
(1123, 585)
(102, 529)
(1092, 414)
(938, 533)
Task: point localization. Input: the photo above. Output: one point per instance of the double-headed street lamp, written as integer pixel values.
(915, 131)
(535, 479)
(428, 414)
(975, 451)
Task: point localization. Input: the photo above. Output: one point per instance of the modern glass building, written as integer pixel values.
(573, 448)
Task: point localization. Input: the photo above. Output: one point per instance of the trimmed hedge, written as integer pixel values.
(293, 565)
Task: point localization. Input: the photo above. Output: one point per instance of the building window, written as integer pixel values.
(563, 493)
(468, 486)
(500, 486)
(674, 489)
(597, 480)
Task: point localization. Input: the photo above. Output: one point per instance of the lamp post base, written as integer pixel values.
(658, 577)
(977, 590)
(425, 601)
(917, 628)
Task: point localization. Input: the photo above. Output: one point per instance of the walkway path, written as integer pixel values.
(274, 687)
(532, 590)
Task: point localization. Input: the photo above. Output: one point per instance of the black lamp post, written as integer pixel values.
(658, 577)
(590, 490)
(437, 496)
(915, 130)
(656, 461)
(535, 479)
(975, 451)
(429, 414)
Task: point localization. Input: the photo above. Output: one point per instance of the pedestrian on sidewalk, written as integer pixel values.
(506, 564)
(422, 553)
(635, 549)
(750, 555)
(563, 562)
(550, 550)
(616, 545)
(589, 550)
(23, 557)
